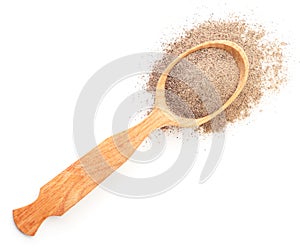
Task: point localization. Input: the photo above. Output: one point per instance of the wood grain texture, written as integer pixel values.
(55, 198)
(71, 185)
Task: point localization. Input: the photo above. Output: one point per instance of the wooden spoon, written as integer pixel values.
(71, 185)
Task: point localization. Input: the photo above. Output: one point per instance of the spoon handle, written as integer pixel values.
(75, 182)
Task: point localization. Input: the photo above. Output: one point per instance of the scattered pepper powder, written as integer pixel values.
(196, 93)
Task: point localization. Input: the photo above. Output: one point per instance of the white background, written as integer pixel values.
(47, 53)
